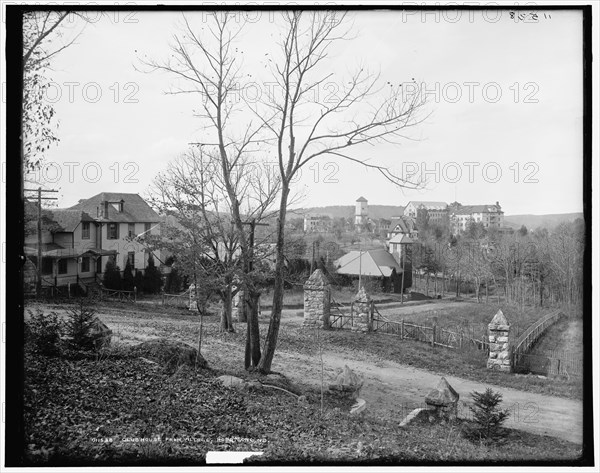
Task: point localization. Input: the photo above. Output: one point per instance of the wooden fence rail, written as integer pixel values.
(532, 334)
(435, 335)
(122, 296)
(176, 299)
(553, 362)
(338, 318)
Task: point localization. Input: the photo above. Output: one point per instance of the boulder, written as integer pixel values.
(412, 416)
(359, 406)
(347, 382)
(443, 395)
(231, 381)
(443, 400)
(170, 353)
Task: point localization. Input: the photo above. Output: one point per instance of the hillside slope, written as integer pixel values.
(345, 211)
(532, 222)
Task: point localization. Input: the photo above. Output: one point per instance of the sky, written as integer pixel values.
(503, 114)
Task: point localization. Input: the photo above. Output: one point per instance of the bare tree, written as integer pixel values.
(299, 128)
(204, 61)
(45, 35)
(367, 112)
(561, 254)
(198, 229)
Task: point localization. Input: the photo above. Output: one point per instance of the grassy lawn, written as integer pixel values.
(473, 318)
(564, 336)
(294, 298)
(468, 364)
(141, 322)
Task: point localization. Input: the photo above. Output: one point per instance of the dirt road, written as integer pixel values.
(395, 390)
(390, 388)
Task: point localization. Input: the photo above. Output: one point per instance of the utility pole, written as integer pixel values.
(402, 283)
(360, 266)
(39, 190)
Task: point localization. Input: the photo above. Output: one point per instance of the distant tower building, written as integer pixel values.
(361, 213)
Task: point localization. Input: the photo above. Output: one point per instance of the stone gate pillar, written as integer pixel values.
(363, 320)
(317, 293)
(499, 338)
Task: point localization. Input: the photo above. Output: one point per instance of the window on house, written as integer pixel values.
(147, 227)
(131, 258)
(85, 231)
(85, 264)
(46, 266)
(131, 230)
(62, 266)
(113, 231)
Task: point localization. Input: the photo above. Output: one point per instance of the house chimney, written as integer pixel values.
(121, 205)
(105, 208)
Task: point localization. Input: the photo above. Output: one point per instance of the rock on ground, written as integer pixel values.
(231, 381)
(170, 353)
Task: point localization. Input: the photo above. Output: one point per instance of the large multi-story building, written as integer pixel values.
(490, 216)
(317, 223)
(437, 211)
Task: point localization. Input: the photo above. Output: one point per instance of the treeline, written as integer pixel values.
(150, 282)
(526, 268)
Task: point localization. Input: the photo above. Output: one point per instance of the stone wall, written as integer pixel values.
(317, 293)
(363, 313)
(499, 338)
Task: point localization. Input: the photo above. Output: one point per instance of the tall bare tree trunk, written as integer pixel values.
(271, 340)
(226, 318)
(253, 355)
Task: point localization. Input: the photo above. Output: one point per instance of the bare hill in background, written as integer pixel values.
(540, 221)
(532, 222)
(336, 211)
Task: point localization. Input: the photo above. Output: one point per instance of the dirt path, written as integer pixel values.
(394, 390)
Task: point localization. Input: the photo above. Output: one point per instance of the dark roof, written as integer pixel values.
(135, 209)
(428, 204)
(407, 224)
(67, 220)
(470, 209)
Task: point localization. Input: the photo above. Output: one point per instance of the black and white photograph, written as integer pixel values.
(299, 235)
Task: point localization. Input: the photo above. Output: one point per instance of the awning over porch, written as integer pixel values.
(57, 252)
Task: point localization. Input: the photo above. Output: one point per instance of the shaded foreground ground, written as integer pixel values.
(120, 398)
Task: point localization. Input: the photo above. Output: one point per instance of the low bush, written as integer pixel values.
(43, 332)
(487, 416)
(80, 328)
